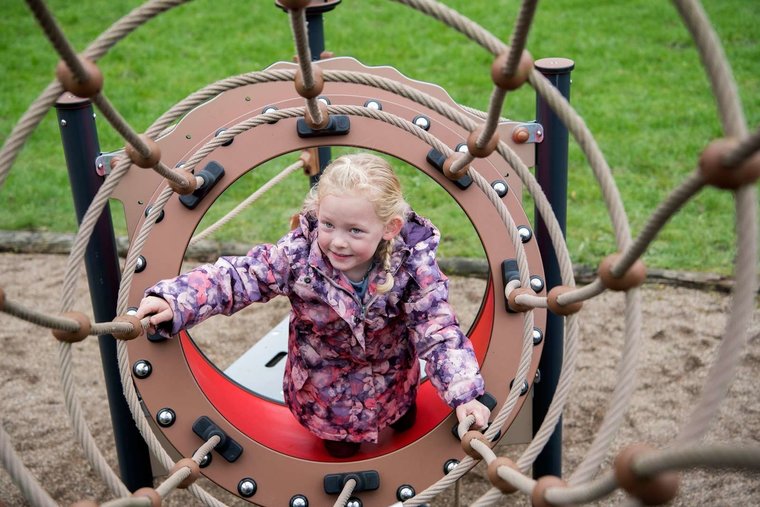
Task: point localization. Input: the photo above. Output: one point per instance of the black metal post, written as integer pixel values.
(81, 146)
(316, 26)
(551, 173)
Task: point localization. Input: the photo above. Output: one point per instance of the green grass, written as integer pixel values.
(637, 83)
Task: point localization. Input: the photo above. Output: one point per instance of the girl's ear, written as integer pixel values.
(392, 228)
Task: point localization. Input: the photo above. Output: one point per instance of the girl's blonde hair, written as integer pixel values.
(372, 177)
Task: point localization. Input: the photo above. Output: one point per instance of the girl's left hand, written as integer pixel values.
(478, 410)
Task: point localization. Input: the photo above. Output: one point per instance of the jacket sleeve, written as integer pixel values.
(226, 286)
(451, 363)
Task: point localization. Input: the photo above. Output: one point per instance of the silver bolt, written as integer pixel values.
(142, 369)
(373, 104)
(354, 502)
(450, 465)
(270, 109)
(537, 377)
(462, 148)
(94, 115)
(205, 460)
(500, 187)
(525, 233)
(63, 123)
(422, 122)
(247, 487)
(538, 335)
(140, 264)
(299, 501)
(536, 284)
(325, 101)
(131, 310)
(405, 492)
(166, 417)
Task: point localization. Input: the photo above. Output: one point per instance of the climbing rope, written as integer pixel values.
(637, 466)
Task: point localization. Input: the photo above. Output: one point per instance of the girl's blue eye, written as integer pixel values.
(327, 225)
(354, 230)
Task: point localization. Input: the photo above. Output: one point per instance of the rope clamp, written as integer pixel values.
(436, 159)
(337, 125)
(227, 447)
(366, 480)
(211, 174)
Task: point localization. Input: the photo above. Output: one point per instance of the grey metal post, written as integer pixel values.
(81, 147)
(551, 173)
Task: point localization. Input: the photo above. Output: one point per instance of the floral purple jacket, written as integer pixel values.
(352, 365)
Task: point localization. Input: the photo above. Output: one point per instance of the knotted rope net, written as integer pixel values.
(647, 475)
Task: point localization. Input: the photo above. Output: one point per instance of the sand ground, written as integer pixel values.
(682, 329)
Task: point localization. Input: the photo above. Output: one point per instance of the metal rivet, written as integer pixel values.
(63, 123)
(461, 148)
(188, 136)
(160, 213)
(270, 109)
(205, 460)
(450, 465)
(248, 99)
(373, 104)
(354, 502)
(538, 336)
(537, 377)
(132, 310)
(500, 186)
(94, 115)
(422, 122)
(228, 141)
(325, 101)
(141, 264)
(142, 368)
(525, 233)
(523, 388)
(405, 492)
(299, 501)
(536, 283)
(247, 487)
(166, 417)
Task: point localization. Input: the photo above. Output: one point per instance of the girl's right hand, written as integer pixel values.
(157, 308)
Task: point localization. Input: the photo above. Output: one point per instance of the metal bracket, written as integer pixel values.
(525, 133)
(103, 163)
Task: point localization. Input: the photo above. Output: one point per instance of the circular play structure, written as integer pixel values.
(188, 411)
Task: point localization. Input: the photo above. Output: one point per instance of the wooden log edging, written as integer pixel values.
(43, 242)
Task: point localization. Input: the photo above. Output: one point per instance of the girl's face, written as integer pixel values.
(349, 232)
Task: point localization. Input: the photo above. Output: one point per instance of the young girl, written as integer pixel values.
(368, 300)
